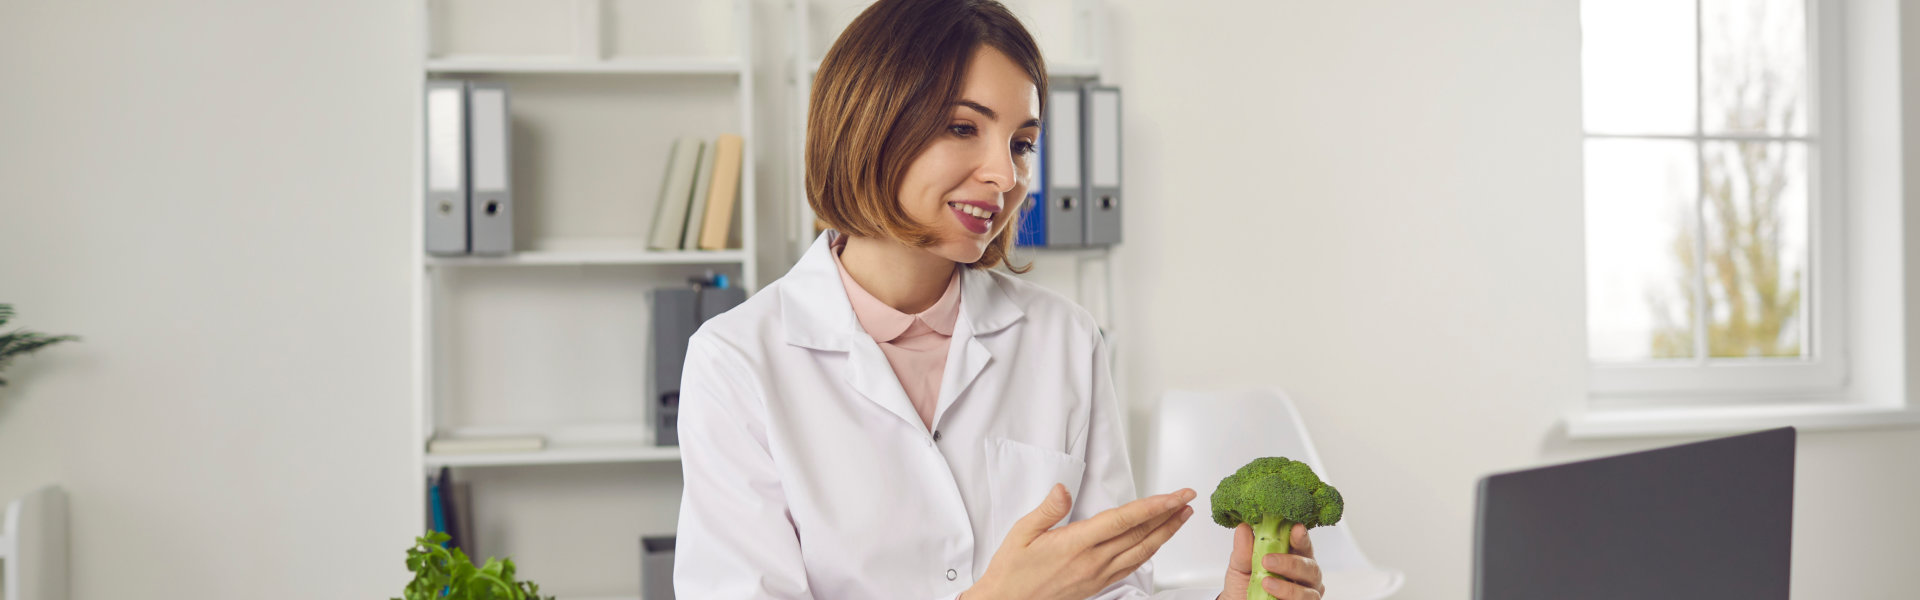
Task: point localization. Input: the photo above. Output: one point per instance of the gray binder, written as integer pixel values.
(677, 313)
(1066, 190)
(446, 146)
(490, 166)
(1102, 118)
(675, 317)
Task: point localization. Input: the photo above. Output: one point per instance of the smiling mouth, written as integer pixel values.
(973, 211)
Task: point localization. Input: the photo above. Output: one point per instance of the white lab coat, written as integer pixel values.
(809, 475)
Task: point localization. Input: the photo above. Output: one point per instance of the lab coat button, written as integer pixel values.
(936, 435)
(951, 575)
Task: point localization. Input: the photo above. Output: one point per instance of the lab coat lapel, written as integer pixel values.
(818, 315)
(985, 309)
(869, 372)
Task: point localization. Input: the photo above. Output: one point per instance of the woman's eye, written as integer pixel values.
(961, 130)
(1023, 148)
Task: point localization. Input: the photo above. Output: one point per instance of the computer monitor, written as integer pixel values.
(1701, 521)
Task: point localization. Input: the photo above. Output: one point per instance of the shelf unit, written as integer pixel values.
(553, 338)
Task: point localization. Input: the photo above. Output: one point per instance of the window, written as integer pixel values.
(1715, 223)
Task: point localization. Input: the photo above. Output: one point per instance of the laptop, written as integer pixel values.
(1700, 521)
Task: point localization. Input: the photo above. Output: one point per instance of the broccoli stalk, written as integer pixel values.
(1270, 495)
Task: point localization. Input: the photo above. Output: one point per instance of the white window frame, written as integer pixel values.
(1709, 395)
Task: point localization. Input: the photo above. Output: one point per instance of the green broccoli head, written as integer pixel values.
(1271, 494)
(1276, 488)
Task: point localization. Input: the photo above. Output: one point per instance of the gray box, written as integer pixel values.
(490, 165)
(677, 313)
(446, 164)
(656, 568)
(1065, 165)
(1102, 135)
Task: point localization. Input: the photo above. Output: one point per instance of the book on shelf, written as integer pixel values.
(450, 509)
(699, 194)
(676, 190)
(723, 193)
(483, 444)
(697, 211)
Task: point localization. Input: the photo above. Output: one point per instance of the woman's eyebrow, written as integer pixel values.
(993, 116)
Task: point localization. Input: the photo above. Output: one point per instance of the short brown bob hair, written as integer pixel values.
(884, 90)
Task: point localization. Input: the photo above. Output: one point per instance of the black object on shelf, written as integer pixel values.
(677, 314)
(656, 568)
(666, 430)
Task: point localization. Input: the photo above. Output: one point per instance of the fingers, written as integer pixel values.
(1055, 507)
(1120, 543)
(1119, 520)
(1131, 558)
(1297, 569)
(1241, 561)
(1301, 545)
(1285, 590)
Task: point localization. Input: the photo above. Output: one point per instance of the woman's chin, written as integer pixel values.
(967, 250)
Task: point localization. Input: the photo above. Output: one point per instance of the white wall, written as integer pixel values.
(1374, 204)
(205, 191)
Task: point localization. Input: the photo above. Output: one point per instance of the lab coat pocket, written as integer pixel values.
(1019, 476)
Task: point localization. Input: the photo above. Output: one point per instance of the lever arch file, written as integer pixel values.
(491, 212)
(446, 147)
(1102, 118)
(1033, 212)
(1064, 169)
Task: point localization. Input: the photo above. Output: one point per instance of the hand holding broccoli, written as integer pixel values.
(1270, 503)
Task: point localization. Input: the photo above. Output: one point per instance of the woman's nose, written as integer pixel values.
(997, 169)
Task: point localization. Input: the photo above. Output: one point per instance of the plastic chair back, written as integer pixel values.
(33, 547)
(1199, 438)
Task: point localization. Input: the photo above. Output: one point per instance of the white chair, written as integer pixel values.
(1199, 438)
(33, 547)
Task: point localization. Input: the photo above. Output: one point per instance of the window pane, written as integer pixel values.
(1640, 248)
(1755, 67)
(1756, 230)
(1637, 66)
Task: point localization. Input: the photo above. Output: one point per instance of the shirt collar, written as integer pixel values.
(885, 323)
(814, 312)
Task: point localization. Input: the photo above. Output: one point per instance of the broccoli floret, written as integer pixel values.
(1271, 494)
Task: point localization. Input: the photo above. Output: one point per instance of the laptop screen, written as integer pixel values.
(1705, 520)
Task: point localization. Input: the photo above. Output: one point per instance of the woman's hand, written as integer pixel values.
(1296, 565)
(1080, 559)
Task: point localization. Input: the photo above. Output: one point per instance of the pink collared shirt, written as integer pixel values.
(915, 345)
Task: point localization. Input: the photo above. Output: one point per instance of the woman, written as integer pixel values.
(892, 419)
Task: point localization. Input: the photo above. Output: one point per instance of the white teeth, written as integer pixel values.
(972, 210)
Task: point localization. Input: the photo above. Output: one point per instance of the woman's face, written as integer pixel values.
(982, 162)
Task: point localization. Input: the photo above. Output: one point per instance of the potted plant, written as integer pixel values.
(440, 573)
(20, 341)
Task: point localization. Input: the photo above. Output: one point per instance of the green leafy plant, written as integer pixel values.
(19, 341)
(440, 573)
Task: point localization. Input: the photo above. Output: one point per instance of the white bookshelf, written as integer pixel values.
(594, 257)
(723, 67)
(560, 455)
(554, 338)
